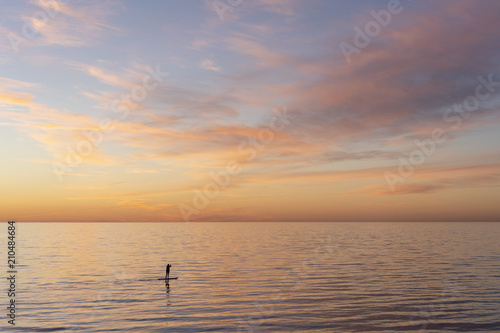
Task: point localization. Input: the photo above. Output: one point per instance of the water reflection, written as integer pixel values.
(312, 277)
(167, 292)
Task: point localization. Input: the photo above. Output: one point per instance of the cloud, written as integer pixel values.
(337, 156)
(263, 55)
(123, 80)
(282, 7)
(199, 44)
(142, 204)
(15, 98)
(209, 65)
(74, 187)
(54, 130)
(143, 171)
(433, 180)
(73, 24)
(395, 91)
(395, 88)
(412, 188)
(16, 84)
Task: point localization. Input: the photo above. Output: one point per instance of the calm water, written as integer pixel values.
(259, 277)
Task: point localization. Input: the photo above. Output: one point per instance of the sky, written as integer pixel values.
(239, 110)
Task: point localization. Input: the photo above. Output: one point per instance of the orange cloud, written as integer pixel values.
(16, 98)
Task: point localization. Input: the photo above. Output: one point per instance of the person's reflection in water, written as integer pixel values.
(167, 291)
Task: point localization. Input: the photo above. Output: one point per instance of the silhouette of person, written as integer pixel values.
(167, 273)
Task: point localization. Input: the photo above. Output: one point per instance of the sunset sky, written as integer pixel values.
(250, 110)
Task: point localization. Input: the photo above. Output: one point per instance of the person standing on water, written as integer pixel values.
(167, 272)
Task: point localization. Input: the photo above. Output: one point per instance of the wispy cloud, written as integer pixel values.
(209, 65)
(75, 24)
(124, 80)
(434, 180)
(260, 53)
(14, 97)
(282, 7)
(51, 128)
(16, 84)
(337, 156)
(351, 122)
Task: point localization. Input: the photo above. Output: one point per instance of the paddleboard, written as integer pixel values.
(175, 278)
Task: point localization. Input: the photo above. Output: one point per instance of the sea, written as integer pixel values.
(255, 277)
